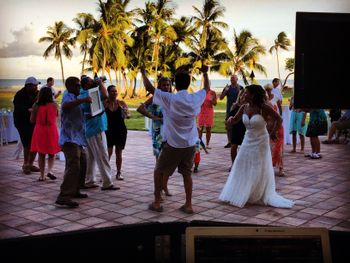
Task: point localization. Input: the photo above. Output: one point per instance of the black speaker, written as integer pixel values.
(322, 60)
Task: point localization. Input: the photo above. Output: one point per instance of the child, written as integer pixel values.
(197, 156)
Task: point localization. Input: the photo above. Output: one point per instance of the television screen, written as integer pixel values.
(322, 60)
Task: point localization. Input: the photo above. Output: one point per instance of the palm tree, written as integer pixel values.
(137, 54)
(110, 35)
(243, 57)
(208, 42)
(207, 20)
(60, 42)
(289, 67)
(155, 17)
(283, 42)
(85, 24)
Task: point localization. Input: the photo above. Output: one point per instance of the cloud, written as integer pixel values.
(24, 45)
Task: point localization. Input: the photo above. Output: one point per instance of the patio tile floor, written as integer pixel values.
(321, 189)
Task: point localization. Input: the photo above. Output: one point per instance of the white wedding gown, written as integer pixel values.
(252, 178)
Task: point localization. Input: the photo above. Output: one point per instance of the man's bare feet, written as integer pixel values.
(187, 210)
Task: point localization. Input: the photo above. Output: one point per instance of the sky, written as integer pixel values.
(22, 23)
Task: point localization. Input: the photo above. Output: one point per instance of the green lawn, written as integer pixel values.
(137, 122)
(6, 99)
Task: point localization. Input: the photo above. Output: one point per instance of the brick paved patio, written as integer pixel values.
(321, 189)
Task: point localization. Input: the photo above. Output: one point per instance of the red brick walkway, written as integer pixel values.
(321, 189)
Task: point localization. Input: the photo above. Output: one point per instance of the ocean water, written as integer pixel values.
(216, 84)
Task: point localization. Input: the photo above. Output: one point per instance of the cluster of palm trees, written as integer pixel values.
(122, 41)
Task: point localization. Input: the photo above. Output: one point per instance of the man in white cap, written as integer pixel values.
(23, 102)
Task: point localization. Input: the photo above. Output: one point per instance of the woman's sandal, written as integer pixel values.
(155, 209)
(281, 173)
(119, 176)
(51, 176)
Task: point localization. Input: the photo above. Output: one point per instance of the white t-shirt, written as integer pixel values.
(181, 110)
(277, 94)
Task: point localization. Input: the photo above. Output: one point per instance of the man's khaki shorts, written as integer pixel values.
(171, 158)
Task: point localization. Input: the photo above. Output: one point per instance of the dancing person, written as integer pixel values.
(116, 132)
(276, 91)
(237, 129)
(275, 143)
(95, 127)
(206, 116)
(252, 179)
(45, 134)
(297, 125)
(317, 126)
(231, 92)
(23, 103)
(180, 110)
(49, 84)
(72, 140)
(155, 113)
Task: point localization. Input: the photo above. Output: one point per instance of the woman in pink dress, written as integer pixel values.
(45, 135)
(206, 116)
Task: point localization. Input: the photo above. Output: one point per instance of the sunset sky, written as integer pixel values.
(24, 22)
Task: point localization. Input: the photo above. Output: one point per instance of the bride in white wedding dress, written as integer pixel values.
(252, 178)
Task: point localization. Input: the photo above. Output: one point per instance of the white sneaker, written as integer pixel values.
(315, 156)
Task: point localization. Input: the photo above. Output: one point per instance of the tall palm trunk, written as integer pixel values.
(120, 82)
(278, 64)
(116, 81)
(202, 82)
(156, 67)
(104, 63)
(83, 64)
(134, 94)
(61, 65)
(126, 86)
(191, 78)
(110, 76)
(285, 81)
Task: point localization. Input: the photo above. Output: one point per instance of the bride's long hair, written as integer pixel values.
(257, 94)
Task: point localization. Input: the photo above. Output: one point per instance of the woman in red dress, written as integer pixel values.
(276, 143)
(45, 135)
(206, 116)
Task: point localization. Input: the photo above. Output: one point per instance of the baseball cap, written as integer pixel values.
(32, 80)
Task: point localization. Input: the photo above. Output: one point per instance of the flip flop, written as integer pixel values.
(152, 208)
(51, 176)
(186, 210)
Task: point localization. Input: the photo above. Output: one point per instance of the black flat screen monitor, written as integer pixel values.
(322, 60)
